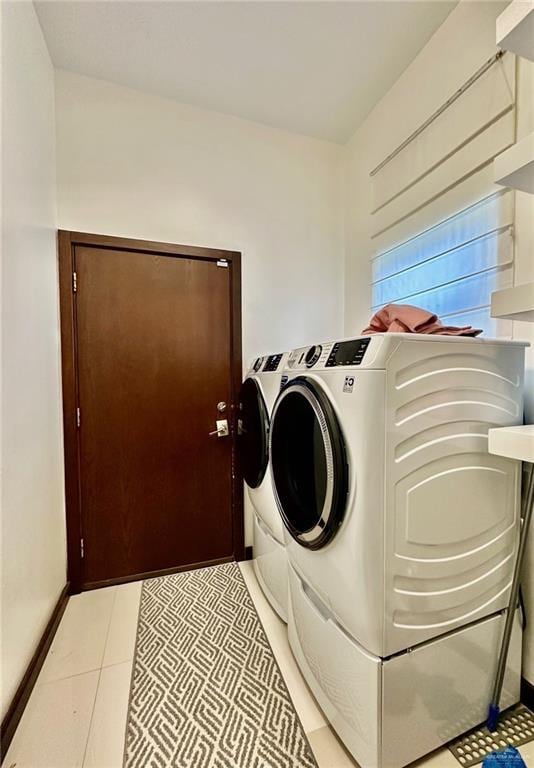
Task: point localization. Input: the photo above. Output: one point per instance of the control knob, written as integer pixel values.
(312, 355)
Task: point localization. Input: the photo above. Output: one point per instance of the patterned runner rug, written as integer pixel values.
(206, 689)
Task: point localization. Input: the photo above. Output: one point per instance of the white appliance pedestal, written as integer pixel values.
(389, 712)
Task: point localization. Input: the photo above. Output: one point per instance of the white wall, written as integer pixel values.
(33, 517)
(137, 165)
(464, 41)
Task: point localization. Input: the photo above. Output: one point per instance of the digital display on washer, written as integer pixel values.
(347, 352)
(272, 363)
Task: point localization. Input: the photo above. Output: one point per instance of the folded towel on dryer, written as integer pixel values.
(404, 318)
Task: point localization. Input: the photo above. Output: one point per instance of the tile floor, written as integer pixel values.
(76, 715)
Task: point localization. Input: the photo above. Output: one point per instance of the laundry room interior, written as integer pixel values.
(267, 384)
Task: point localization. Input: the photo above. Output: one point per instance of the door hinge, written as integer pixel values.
(74, 282)
(82, 549)
(222, 263)
(78, 418)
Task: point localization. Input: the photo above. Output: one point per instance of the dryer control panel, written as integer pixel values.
(347, 352)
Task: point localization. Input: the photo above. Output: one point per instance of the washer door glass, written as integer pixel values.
(253, 433)
(309, 465)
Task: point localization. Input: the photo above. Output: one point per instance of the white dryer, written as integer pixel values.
(258, 394)
(401, 531)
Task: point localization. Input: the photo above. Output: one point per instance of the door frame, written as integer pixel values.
(67, 241)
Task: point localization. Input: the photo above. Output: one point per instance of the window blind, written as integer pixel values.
(442, 231)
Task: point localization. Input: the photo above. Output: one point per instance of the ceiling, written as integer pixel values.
(314, 67)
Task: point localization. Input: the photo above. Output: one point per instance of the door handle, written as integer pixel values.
(222, 428)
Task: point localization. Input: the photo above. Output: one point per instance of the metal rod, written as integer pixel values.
(494, 711)
(468, 83)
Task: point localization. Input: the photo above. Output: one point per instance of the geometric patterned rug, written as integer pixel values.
(206, 689)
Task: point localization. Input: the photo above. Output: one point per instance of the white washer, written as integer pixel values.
(401, 531)
(258, 394)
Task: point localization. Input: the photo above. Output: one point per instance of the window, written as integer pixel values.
(442, 230)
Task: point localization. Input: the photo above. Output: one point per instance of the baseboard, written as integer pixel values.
(154, 574)
(527, 693)
(23, 692)
(248, 553)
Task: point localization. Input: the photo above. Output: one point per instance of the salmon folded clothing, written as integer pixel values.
(404, 318)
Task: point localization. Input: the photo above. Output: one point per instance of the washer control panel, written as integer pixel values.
(256, 365)
(347, 352)
(272, 363)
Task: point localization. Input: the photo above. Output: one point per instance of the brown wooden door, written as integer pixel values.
(153, 355)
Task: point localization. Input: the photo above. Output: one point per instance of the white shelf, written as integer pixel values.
(512, 442)
(514, 303)
(514, 167)
(515, 29)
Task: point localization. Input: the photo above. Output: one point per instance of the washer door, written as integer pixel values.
(253, 433)
(308, 463)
